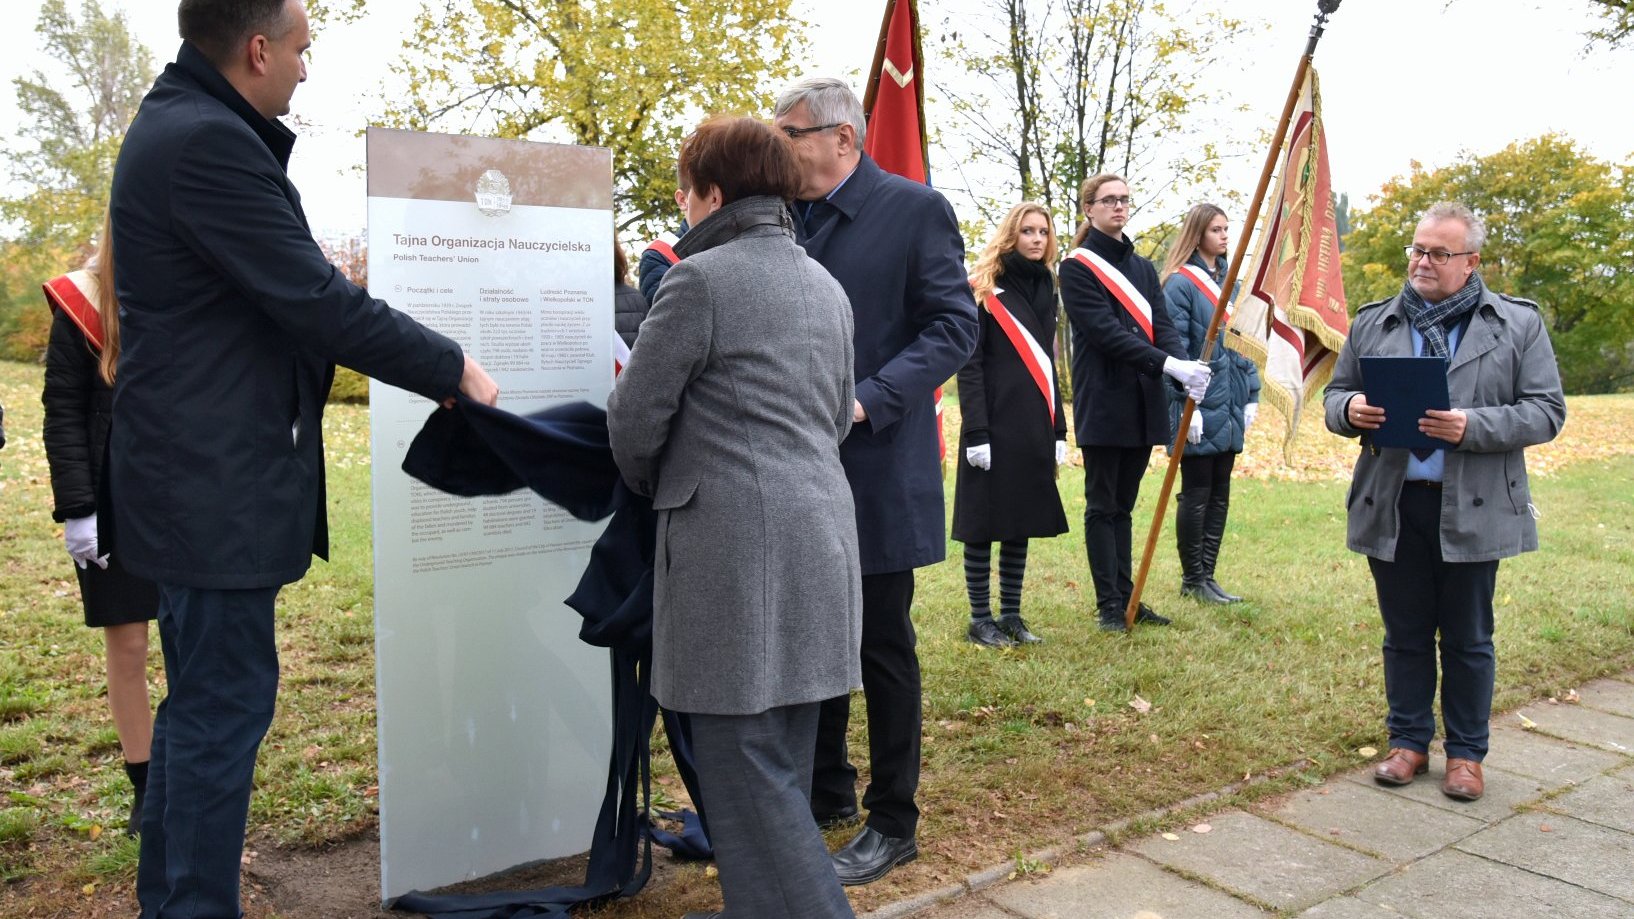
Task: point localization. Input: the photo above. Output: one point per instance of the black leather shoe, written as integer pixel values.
(871, 855)
(834, 819)
(1147, 617)
(1220, 592)
(1111, 621)
(1016, 627)
(985, 632)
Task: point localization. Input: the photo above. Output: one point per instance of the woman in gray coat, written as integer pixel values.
(730, 416)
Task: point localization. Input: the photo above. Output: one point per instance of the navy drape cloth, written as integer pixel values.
(562, 455)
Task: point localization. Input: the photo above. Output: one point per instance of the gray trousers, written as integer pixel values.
(755, 773)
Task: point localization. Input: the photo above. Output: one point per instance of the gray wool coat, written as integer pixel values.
(1504, 377)
(730, 415)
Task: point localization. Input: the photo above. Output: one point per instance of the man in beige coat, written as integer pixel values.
(1433, 523)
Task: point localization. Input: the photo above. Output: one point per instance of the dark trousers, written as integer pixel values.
(1111, 486)
(890, 687)
(755, 772)
(1420, 595)
(221, 667)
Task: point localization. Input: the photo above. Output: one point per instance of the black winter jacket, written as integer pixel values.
(78, 412)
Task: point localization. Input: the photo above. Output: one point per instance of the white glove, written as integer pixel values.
(80, 535)
(1194, 432)
(980, 456)
(1060, 453)
(1193, 375)
(1250, 412)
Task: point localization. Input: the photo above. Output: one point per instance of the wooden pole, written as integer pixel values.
(1325, 8)
(872, 89)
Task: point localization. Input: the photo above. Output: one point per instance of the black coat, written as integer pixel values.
(1119, 394)
(629, 308)
(895, 248)
(232, 322)
(78, 412)
(1001, 405)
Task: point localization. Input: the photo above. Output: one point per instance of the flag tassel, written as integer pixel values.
(1325, 8)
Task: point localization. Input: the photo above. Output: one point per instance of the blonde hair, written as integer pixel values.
(987, 269)
(107, 303)
(1192, 229)
(1086, 196)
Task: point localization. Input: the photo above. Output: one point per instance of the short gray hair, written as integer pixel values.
(829, 100)
(1474, 226)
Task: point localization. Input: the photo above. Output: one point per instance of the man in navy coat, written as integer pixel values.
(231, 320)
(894, 246)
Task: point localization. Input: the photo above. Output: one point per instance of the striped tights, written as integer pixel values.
(979, 573)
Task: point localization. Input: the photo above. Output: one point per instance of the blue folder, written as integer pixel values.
(1405, 387)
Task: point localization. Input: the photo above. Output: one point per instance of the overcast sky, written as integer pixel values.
(1401, 79)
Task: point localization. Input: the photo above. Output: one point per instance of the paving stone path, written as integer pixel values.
(1553, 837)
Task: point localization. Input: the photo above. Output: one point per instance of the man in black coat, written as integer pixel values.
(231, 322)
(895, 248)
(1123, 345)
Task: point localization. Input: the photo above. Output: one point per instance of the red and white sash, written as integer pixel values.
(1123, 290)
(665, 245)
(1205, 284)
(1033, 356)
(75, 293)
(621, 354)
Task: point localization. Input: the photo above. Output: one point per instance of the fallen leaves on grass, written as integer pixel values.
(1140, 705)
(1368, 752)
(1202, 828)
(1527, 724)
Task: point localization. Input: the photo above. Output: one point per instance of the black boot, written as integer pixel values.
(1190, 507)
(138, 774)
(1110, 619)
(1214, 524)
(985, 632)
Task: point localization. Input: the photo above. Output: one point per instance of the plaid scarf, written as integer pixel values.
(1433, 320)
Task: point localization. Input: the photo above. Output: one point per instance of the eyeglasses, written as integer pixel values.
(1114, 201)
(797, 133)
(1436, 256)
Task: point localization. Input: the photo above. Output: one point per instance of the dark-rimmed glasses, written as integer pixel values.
(797, 133)
(1436, 256)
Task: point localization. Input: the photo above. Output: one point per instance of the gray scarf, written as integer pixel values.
(1433, 320)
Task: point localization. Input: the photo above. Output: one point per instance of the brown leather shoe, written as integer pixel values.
(1463, 780)
(1399, 767)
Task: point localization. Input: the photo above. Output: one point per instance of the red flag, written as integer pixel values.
(895, 108)
(895, 101)
(1292, 322)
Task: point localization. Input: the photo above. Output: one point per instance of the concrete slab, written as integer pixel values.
(1504, 791)
(1455, 885)
(1118, 887)
(1274, 865)
(1613, 696)
(1574, 851)
(1392, 826)
(1348, 908)
(1607, 800)
(969, 908)
(1551, 761)
(1584, 725)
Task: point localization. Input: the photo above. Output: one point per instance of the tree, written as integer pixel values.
(1560, 231)
(1618, 20)
(67, 140)
(1069, 88)
(631, 75)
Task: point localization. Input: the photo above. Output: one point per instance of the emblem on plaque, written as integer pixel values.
(493, 193)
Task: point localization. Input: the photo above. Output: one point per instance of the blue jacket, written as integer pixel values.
(1236, 380)
(650, 269)
(895, 248)
(231, 324)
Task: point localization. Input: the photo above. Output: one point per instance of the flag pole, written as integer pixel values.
(1325, 8)
(872, 89)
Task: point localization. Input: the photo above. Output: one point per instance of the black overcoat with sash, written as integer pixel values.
(232, 321)
(895, 248)
(1000, 404)
(1119, 393)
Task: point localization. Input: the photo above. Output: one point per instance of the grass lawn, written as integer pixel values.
(1022, 748)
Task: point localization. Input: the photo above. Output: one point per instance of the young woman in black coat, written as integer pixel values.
(1014, 430)
(78, 397)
